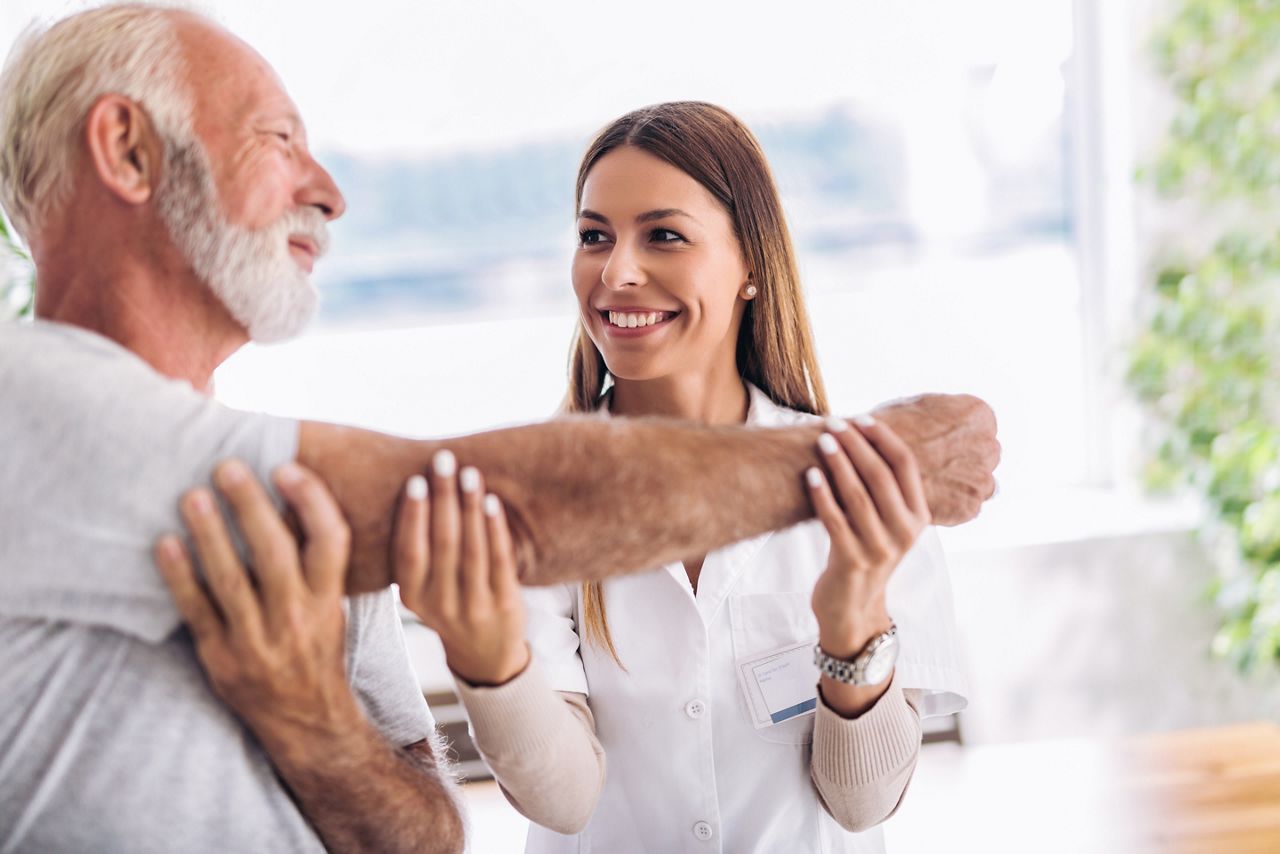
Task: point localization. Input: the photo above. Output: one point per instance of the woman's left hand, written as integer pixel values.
(874, 516)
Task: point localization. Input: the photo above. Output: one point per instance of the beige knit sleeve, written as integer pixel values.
(861, 767)
(541, 746)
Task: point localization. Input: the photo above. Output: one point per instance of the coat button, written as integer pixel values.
(703, 831)
(695, 709)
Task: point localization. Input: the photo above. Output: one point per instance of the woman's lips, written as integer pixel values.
(635, 323)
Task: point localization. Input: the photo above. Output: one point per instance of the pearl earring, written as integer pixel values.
(751, 290)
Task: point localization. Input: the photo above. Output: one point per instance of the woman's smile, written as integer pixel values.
(635, 322)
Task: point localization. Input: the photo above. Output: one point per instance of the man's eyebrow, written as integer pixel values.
(291, 118)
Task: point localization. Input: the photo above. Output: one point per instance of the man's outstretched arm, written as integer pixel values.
(588, 497)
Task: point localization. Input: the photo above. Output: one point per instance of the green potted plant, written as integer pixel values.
(1207, 363)
(17, 277)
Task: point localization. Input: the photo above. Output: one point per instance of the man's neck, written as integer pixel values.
(163, 315)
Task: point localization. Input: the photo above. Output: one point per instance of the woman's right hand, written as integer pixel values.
(456, 569)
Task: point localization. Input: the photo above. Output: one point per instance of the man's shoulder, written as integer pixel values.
(53, 336)
(42, 356)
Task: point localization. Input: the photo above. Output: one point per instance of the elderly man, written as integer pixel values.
(160, 175)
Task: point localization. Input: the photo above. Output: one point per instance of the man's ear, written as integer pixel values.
(123, 148)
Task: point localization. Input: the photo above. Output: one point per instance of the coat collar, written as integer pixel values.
(761, 411)
(723, 567)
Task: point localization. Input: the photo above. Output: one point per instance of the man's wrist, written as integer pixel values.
(340, 731)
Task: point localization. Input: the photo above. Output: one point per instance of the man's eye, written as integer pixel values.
(590, 237)
(666, 235)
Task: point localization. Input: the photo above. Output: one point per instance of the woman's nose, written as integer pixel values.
(622, 270)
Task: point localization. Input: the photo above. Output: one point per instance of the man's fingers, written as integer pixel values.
(954, 439)
(831, 516)
(326, 535)
(446, 532)
(229, 584)
(475, 540)
(900, 459)
(503, 578)
(180, 577)
(272, 548)
(411, 537)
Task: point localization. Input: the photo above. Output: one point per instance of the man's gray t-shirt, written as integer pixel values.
(110, 739)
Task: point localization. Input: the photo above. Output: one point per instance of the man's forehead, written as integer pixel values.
(226, 72)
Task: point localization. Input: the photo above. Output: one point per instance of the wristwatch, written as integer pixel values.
(871, 666)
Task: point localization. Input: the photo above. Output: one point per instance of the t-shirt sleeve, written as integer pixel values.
(380, 671)
(930, 667)
(96, 448)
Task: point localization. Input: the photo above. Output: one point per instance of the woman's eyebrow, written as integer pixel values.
(649, 216)
(663, 214)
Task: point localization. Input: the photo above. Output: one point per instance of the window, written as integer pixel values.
(923, 149)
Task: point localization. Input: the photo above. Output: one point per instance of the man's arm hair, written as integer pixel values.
(366, 795)
(589, 497)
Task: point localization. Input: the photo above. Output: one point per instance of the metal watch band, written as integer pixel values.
(851, 672)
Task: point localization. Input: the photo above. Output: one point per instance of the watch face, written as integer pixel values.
(881, 664)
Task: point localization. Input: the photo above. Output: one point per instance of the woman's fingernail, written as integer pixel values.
(232, 472)
(416, 488)
(288, 475)
(168, 546)
(837, 425)
(828, 444)
(864, 420)
(200, 503)
(445, 463)
(813, 476)
(469, 480)
(492, 506)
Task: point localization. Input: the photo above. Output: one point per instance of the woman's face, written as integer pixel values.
(658, 273)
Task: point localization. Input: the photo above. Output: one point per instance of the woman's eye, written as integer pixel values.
(590, 237)
(665, 235)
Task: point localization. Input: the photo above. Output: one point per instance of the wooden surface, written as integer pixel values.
(1212, 791)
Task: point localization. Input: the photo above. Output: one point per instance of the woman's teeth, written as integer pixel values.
(632, 319)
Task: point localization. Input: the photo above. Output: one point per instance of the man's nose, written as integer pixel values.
(321, 191)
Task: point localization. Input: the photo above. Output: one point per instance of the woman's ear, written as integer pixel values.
(123, 148)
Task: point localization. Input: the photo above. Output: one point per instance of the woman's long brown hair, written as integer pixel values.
(775, 343)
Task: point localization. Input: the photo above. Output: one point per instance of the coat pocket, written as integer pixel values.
(761, 623)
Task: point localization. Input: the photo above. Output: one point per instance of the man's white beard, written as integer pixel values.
(250, 271)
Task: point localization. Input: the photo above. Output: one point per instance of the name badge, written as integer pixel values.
(780, 685)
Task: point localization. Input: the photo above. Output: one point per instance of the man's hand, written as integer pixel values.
(274, 650)
(953, 437)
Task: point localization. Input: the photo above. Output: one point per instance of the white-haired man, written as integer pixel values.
(160, 175)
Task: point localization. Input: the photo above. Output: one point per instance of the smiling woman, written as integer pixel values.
(690, 303)
(700, 220)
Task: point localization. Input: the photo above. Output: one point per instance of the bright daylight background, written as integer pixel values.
(958, 182)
